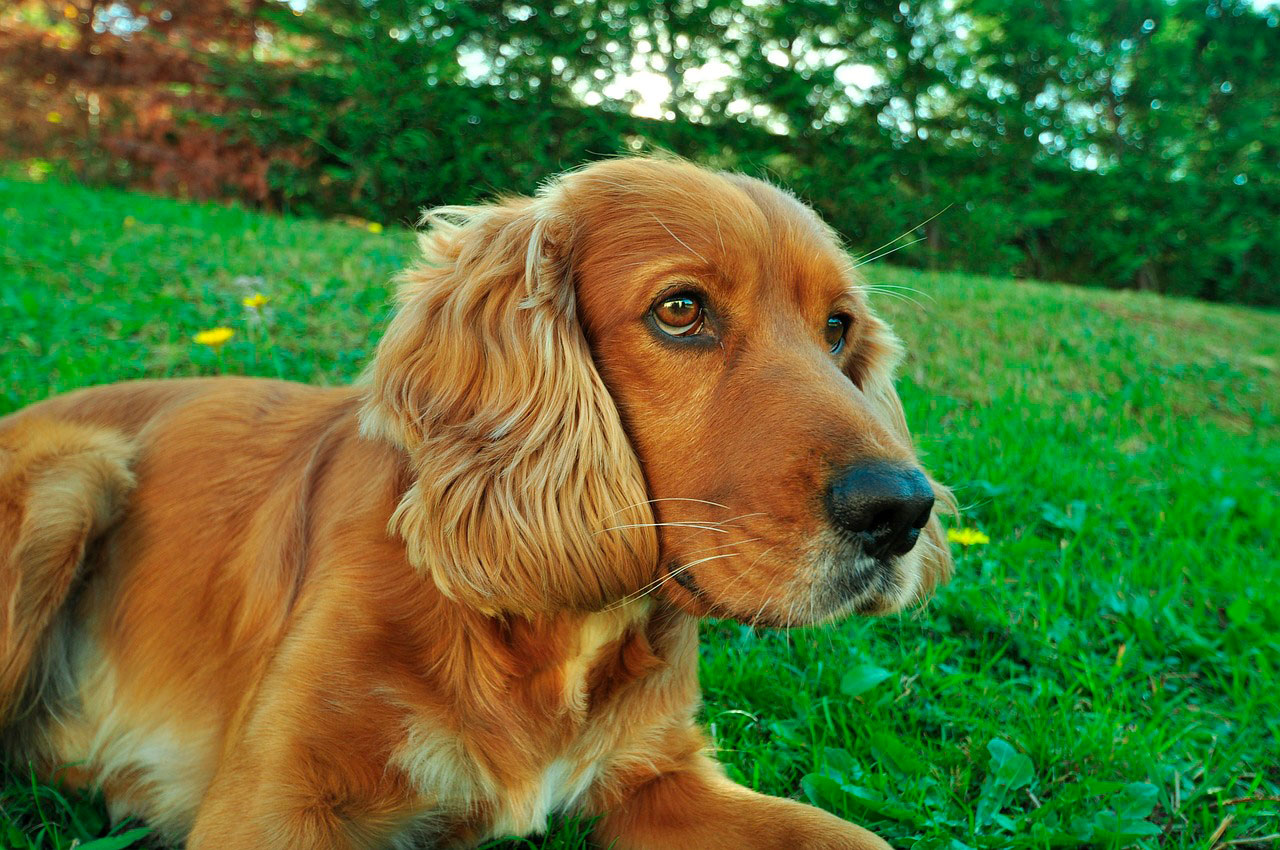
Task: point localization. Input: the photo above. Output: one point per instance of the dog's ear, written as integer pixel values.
(879, 353)
(527, 495)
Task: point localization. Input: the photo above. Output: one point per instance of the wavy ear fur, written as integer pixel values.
(527, 496)
(880, 353)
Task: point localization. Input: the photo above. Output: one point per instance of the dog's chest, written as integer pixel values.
(545, 753)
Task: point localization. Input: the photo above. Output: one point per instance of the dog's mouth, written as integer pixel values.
(701, 602)
(841, 579)
(863, 586)
(685, 580)
(851, 579)
(706, 604)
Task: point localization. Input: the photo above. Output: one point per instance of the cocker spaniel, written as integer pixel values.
(462, 595)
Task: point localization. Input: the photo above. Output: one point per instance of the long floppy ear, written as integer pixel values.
(879, 354)
(528, 497)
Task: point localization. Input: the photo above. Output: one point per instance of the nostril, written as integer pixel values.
(882, 522)
(922, 519)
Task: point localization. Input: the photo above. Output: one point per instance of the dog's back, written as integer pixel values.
(152, 535)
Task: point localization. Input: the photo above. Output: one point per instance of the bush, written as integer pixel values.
(379, 108)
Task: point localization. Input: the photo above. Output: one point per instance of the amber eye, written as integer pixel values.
(679, 314)
(837, 327)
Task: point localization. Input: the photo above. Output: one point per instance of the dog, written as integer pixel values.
(462, 595)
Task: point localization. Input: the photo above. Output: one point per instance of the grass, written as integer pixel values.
(1104, 672)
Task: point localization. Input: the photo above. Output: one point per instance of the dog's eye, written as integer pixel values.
(679, 314)
(837, 327)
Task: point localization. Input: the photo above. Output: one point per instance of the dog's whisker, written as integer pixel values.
(653, 585)
(918, 600)
(739, 516)
(885, 287)
(891, 290)
(657, 583)
(681, 241)
(727, 521)
(724, 545)
(737, 605)
(657, 524)
(755, 620)
(860, 263)
(705, 525)
(667, 499)
(661, 580)
(757, 558)
(686, 567)
(896, 291)
(747, 570)
(905, 233)
(900, 297)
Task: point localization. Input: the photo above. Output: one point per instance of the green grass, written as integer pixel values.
(1106, 671)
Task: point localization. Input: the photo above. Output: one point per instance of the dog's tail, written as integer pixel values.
(61, 485)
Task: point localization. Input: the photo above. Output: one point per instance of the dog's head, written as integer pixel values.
(652, 377)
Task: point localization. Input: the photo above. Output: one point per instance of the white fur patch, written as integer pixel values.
(168, 770)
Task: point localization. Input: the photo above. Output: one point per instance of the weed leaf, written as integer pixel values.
(116, 842)
(863, 678)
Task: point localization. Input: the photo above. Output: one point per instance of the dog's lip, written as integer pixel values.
(694, 595)
(686, 580)
(857, 583)
(858, 580)
(704, 604)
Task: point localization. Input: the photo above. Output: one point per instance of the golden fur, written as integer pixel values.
(446, 603)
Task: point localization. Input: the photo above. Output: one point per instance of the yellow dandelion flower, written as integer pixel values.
(54, 118)
(130, 221)
(214, 337)
(967, 536)
(255, 300)
(374, 227)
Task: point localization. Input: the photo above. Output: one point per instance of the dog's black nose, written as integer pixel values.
(883, 504)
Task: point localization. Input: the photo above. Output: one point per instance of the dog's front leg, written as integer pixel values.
(244, 812)
(696, 806)
(278, 787)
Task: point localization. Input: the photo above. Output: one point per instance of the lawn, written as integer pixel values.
(1105, 671)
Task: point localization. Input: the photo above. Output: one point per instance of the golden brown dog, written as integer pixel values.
(447, 603)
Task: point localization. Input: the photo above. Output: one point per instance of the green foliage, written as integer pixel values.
(1132, 145)
(1103, 672)
(35, 816)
